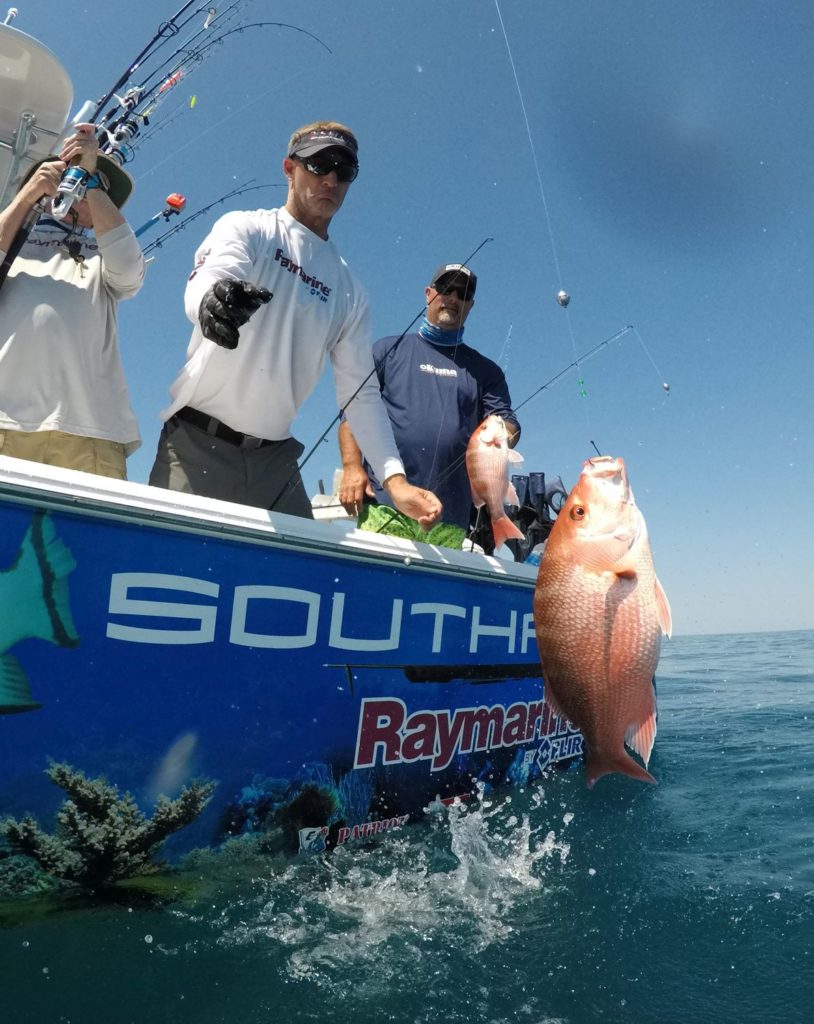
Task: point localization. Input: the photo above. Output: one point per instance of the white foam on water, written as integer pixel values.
(458, 881)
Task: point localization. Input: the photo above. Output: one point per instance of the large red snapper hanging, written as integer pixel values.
(599, 613)
(487, 462)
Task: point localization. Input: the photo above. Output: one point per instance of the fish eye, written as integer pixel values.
(578, 512)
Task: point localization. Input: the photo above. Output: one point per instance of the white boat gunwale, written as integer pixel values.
(28, 483)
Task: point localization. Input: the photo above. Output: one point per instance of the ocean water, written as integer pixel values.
(691, 901)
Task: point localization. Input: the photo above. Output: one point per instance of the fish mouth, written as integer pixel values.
(608, 469)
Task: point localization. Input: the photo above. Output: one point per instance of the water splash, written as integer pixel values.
(459, 882)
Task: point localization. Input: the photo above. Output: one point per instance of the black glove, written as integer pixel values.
(228, 305)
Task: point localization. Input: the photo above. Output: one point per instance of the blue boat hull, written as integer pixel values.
(332, 683)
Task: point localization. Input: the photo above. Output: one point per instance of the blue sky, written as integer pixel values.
(673, 141)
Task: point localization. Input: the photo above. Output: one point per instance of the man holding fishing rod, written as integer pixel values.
(437, 391)
(270, 298)
(63, 396)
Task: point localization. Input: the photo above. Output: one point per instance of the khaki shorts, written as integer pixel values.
(53, 448)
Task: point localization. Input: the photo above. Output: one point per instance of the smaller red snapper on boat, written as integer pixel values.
(599, 613)
(487, 462)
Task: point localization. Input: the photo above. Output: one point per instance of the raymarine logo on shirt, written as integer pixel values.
(317, 287)
(439, 371)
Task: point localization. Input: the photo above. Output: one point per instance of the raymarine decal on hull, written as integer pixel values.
(388, 735)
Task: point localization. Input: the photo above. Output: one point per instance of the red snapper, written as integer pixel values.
(487, 462)
(599, 613)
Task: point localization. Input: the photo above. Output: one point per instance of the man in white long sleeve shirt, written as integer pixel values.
(271, 298)
(63, 396)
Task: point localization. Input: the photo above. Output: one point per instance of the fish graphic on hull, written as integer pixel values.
(34, 602)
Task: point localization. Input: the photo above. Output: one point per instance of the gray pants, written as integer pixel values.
(194, 462)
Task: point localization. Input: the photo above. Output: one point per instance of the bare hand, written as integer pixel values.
(415, 502)
(82, 148)
(355, 485)
(44, 181)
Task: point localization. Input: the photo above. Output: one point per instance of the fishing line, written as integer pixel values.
(576, 363)
(552, 242)
(505, 350)
(583, 358)
(339, 415)
(217, 124)
(662, 381)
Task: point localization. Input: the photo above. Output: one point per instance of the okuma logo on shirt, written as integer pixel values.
(439, 371)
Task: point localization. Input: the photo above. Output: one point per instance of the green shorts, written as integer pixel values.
(384, 519)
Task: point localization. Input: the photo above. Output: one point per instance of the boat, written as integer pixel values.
(341, 682)
(324, 685)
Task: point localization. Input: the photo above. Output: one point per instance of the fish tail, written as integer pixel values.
(15, 693)
(504, 529)
(38, 582)
(597, 765)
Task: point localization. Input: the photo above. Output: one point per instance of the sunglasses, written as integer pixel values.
(322, 164)
(461, 290)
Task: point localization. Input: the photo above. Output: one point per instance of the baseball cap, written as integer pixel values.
(458, 273)
(116, 181)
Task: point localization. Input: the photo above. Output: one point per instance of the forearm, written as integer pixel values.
(349, 450)
(103, 211)
(122, 261)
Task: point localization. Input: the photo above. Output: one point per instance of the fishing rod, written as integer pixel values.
(119, 125)
(173, 205)
(341, 412)
(71, 187)
(240, 190)
(185, 53)
(194, 56)
(166, 30)
(584, 357)
(141, 101)
(575, 363)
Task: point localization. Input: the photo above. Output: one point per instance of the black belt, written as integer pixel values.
(215, 428)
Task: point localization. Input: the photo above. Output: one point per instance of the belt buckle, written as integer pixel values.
(249, 443)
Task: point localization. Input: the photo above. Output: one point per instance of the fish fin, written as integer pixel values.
(510, 497)
(15, 693)
(55, 562)
(596, 766)
(515, 456)
(504, 529)
(641, 737)
(605, 554)
(663, 613)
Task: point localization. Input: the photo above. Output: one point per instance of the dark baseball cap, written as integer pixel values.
(325, 138)
(114, 179)
(456, 273)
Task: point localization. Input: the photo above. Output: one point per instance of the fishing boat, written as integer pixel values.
(330, 685)
(340, 680)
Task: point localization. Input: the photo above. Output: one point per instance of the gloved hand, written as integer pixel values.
(228, 305)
